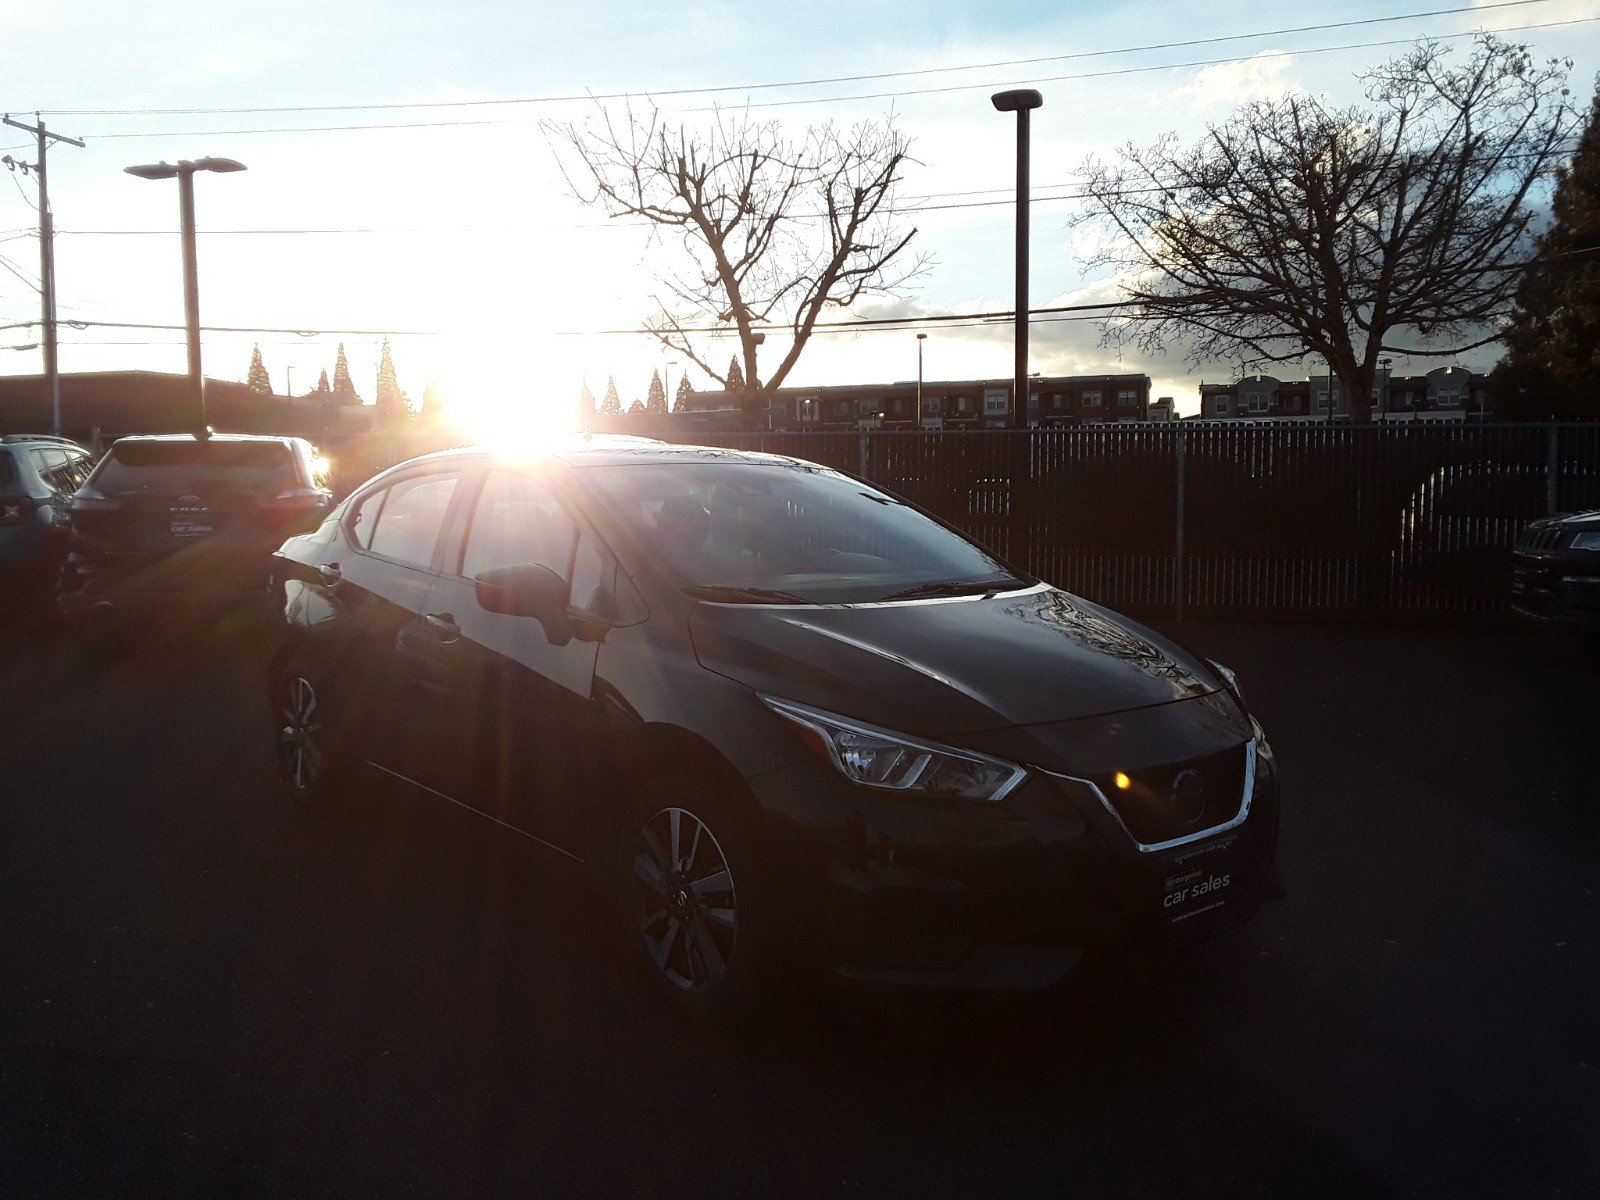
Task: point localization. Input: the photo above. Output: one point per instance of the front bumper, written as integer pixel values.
(879, 888)
(1557, 589)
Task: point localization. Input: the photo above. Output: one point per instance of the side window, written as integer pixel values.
(364, 516)
(78, 468)
(408, 526)
(52, 468)
(591, 577)
(518, 521)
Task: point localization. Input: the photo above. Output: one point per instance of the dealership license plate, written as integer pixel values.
(1198, 881)
(191, 523)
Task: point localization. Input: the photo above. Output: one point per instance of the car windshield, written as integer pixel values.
(788, 532)
(173, 468)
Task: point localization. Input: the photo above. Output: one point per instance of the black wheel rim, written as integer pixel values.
(687, 909)
(299, 730)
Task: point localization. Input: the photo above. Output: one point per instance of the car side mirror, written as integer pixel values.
(527, 590)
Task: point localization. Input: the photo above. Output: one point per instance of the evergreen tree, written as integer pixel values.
(611, 406)
(636, 408)
(344, 389)
(390, 399)
(656, 401)
(258, 380)
(322, 391)
(1553, 339)
(585, 407)
(735, 375)
(432, 399)
(680, 402)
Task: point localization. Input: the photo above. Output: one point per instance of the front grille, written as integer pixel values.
(1539, 538)
(1178, 799)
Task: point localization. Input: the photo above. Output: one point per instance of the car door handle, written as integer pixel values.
(330, 573)
(443, 625)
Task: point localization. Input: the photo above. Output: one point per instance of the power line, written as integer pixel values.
(751, 87)
(1210, 62)
(909, 210)
(966, 87)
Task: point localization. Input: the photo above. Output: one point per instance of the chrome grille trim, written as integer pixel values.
(1199, 835)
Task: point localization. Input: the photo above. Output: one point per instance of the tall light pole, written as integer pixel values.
(1021, 101)
(921, 337)
(184, 171)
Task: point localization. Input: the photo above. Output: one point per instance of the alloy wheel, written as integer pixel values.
(686, 905)
(299, 750)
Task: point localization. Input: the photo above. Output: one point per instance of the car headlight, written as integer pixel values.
(880, 758)
(1586, 541)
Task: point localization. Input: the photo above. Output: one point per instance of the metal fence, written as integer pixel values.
(1409, 522)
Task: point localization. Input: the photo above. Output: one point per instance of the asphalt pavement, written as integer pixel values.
(204, 992)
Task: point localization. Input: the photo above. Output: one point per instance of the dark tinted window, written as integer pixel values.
(8, 472)
(177, 467)
(518, 521)
(409, 523)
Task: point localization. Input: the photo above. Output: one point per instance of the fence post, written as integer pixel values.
(863, 457)
(1177, 563)
(1552, 470)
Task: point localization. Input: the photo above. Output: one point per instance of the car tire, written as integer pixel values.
(313, 773)
(692, 912)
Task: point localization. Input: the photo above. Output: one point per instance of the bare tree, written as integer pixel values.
(1300, 229)
(773, 230)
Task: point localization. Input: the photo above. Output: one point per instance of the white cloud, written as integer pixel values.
(1228, 85)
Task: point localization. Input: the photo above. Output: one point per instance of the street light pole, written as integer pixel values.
(1020, 101)
(921, 337)
(184, 171)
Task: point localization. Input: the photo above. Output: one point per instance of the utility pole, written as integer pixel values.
(47, 260)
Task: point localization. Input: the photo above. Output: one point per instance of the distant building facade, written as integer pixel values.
(1443, 394)
(1053, 401)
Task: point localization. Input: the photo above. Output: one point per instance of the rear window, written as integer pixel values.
(199, 467)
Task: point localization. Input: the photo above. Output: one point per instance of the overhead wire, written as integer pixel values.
(824, 81)
(985, 86)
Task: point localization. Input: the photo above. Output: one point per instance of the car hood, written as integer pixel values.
(947, 667)
(1571, 521)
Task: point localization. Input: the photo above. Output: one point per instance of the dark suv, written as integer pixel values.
(780, 713)
(184, 524)
(1556, 570)
(38, 474)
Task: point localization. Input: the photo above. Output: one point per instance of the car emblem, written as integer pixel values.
(188, 499)
(1188, 796)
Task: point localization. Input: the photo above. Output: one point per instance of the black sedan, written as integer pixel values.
(783, 715)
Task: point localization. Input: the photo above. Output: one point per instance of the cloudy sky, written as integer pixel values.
(399, 183)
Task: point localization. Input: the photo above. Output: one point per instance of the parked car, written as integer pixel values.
(1458, 527)
(38, 474)
(1555, 573)
(185, 525)
(786, 717)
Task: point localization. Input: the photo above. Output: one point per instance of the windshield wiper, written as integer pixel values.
(742, 595)
(930, 591)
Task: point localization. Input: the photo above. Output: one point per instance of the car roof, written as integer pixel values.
(283, 439)
(44, 439)
(603, 450)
